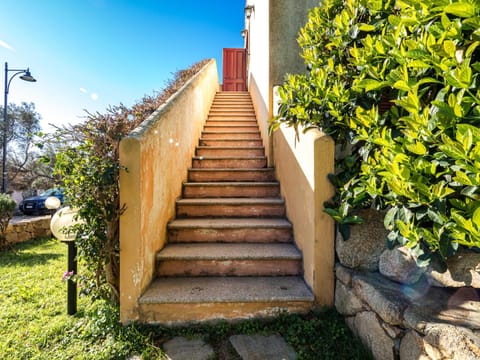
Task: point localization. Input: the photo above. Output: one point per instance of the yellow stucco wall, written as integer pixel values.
(302, 165)
(157, 155)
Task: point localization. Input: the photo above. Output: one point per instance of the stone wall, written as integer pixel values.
(22, 229)
(401, 311)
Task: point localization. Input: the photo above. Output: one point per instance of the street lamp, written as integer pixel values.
(249, 9)
(60, 225)
(27, 77)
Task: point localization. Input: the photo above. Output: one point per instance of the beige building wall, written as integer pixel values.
(273, 51)
(302, 164)
(258, 59)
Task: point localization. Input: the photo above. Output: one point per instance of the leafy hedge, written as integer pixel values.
(88, 164)
(7, 207)
(396, 84)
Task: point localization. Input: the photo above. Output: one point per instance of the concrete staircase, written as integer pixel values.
(230, 253)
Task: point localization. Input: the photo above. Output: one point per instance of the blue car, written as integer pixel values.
(35, 205)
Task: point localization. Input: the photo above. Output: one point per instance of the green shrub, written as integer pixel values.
(7, 206)
(397, 84)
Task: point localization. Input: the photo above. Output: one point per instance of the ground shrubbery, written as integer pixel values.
(7, 207)
(396, 84)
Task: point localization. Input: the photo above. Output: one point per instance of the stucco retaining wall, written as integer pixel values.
(156, 156)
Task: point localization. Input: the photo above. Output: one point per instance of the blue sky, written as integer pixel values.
(88, 54)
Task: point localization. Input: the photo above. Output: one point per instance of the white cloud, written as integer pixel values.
(7, 46)
(83, 90)
(94, 96)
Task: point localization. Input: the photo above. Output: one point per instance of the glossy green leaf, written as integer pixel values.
(416, 148)
(461, 9)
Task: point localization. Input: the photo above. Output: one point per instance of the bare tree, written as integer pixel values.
(26, 165)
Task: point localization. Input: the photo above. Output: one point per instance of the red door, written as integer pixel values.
(234, 70)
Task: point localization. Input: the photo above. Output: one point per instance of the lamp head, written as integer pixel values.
(61, 221)
(248, 10)
(28, 77)
(52, 203)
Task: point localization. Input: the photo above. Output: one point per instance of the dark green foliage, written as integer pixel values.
(7, 206)
(318, 335)
(396, 84)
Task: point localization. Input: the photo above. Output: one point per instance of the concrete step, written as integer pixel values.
(234, 94)
(231, 190)
(249, 230)
(223, 259)
(224, 151)
(232, 112)
(231, 122)
(231, 207)
(231, 135)
(230, 142)
(232, 116)
(232, 107)
(230, 175)
(176, 301)
(232, 103)
(230, 128)
(234, 99)
(251, 162)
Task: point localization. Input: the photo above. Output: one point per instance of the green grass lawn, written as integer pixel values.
(34, 323)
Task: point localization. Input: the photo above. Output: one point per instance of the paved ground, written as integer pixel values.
(18, 218)
(244, 347)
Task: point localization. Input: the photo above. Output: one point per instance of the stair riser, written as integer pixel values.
(230, 128)
(271, 267)
(231, 191)
(187, 313)
(231, 135)
(237, 211)
(243, 163)
(231, 143)
(230, 152)
(231, 176)
(242, 235)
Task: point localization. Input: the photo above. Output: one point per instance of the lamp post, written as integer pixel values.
(27, 77)
(60, 223)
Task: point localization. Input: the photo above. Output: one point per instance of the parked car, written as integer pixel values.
(36, 204)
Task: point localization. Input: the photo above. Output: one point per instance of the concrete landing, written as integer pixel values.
(227, 289)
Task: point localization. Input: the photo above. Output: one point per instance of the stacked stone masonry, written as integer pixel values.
(24, 229)
(403, 312)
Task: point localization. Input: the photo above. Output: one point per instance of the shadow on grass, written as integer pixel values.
(25, 254)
